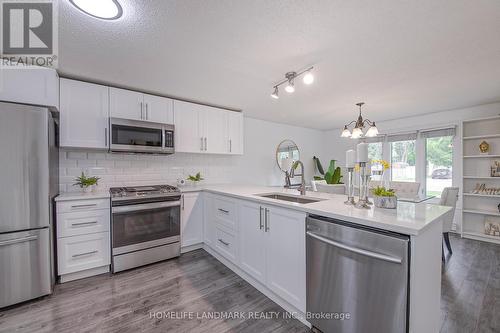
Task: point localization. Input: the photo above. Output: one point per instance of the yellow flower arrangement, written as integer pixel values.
(386, 165)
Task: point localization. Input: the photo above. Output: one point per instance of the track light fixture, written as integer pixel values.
(290, 81)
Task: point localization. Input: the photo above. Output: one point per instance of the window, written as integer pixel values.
(403, 161)
(375, 151)
(439, 162)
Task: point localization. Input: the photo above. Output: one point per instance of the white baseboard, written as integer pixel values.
(83, 274)
(190, 248)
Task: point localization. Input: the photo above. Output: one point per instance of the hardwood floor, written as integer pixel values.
(197, 283)
(470, 295)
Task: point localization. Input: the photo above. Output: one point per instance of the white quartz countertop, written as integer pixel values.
(68, 196)
(409, 218)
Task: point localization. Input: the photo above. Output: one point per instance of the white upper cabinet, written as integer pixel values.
(188, 137)
(234, 133)
(158, 109)
(206, 129)
(213, 125)
(130, 104)
(126, 104)
(83, 114)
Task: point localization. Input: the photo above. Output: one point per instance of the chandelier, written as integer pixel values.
(357, 131)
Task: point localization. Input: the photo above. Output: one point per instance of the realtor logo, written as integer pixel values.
(29, 32)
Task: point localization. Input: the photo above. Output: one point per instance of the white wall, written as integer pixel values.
(256, 166)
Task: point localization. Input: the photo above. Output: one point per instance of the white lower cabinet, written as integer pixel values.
(191, 219)
(286, 255)
(267, 243)
(83, 238)
(252, 240)
(83, 252)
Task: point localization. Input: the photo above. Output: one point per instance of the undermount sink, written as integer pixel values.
(290, 198)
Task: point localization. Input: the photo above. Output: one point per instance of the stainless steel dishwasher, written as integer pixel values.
(357, 277)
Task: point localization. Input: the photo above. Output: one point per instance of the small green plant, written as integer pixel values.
(383, 192)
(84, 181)
(332, 176)
(195, 178)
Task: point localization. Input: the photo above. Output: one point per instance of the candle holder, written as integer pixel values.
(363, 187)
(350, 187)
(367, 181)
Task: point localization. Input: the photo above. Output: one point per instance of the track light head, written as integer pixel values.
(275, 93)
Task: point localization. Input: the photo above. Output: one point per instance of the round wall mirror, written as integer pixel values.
(287, 153)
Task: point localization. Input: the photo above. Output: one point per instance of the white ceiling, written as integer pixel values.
(400, 57)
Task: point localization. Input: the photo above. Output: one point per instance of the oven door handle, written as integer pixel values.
(147, 206)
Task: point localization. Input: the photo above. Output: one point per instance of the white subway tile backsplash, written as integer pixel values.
(122, 164)
(73, 155)
(97, 156)
(128, 170)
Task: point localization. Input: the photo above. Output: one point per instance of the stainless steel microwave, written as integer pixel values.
(136, 136)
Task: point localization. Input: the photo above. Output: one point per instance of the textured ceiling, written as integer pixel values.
(400, 57)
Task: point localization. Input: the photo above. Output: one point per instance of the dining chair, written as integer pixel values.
(405, 189)
(449, 197)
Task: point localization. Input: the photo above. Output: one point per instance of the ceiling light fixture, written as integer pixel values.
(357, 131)
(290, 81)
(101, 9)
(308, 78)
(275, 93)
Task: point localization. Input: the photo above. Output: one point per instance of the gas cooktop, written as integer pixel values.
(143, 191)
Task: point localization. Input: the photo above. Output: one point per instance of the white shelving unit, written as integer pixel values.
(476, 169)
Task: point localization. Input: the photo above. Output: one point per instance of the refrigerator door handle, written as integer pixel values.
(18, 240)
(354, 249)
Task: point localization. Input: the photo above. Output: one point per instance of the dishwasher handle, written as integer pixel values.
(354, 249)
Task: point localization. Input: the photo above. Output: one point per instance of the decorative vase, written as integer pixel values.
(87, 189)
(385, 202)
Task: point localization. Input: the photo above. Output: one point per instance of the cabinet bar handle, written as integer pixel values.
(260, 218)
(205, 144)
(83, 254)
(142, 112)
(83, 223)
(266, 214)
(182, 202)
(201, 147)
(223, 210)
(230, 146)
(18, 240)
(147, 111)
(106, 137)
(225, 243)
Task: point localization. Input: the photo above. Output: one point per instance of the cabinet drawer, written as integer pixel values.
(82, 223)
(225, 211)
(225, 244)
(82, 205)
(79, 253)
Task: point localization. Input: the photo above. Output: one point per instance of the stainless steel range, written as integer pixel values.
(145, 225)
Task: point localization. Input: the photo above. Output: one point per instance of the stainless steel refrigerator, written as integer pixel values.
(29, 183)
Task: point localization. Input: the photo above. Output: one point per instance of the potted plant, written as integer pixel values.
(333, 176)
(87, 184)
(384, 198)
(195, 179)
